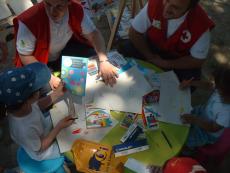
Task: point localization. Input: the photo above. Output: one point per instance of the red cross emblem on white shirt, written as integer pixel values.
(186, 36)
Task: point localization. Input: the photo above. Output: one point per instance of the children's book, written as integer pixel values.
(115, 58)
(150, 109)
(128, 119)
(133, 146)
(91, 157)
(97, 117)
(74, 73)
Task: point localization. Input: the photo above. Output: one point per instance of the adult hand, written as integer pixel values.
(188, 118)
(54, 82)
(65, 122)
(108, 72)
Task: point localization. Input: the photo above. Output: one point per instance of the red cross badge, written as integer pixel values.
(186, 36)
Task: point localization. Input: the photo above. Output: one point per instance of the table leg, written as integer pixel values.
(116, 23)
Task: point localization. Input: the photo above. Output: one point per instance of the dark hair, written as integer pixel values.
(221, 76)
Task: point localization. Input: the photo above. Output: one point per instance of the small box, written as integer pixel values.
(132, 133)
(130, 147)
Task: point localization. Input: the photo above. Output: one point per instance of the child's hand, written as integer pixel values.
(54, 82)
(186, 83)
(65, 122)
(60, 91)
(188, 118)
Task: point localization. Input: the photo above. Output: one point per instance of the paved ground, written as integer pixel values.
(219, 11)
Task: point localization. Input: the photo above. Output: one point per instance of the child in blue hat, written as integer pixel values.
(19, 91)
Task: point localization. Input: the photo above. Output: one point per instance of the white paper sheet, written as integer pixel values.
(173, 101)
(65, 138)
(125, 95)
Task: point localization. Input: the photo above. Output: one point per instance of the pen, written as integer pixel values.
(167, 140)
(74, 118)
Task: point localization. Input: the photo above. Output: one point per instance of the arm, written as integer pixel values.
(27, 59)
(45, 102)
(206, 85)
(209, 126)
(48, 140)
(107, 70)
(140, 44)
(198, 53)
(187, 62)
(25, 46)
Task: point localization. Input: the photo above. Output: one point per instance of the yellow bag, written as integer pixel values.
(91, 157)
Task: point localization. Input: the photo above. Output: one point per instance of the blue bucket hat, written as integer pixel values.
(17, 84)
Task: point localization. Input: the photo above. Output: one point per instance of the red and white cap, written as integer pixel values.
(183, 165)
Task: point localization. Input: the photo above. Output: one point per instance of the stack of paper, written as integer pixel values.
(126, 95)
(173, 101)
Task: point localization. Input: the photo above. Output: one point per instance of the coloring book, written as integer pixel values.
(74, 73)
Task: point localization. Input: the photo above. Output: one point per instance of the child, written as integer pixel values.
(208, 122)
(19, 91)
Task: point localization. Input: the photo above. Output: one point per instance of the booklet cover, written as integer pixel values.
(97, 117)
(130, 147)
(74, 73)
(91, 157)
(128, 119)
(150, 109)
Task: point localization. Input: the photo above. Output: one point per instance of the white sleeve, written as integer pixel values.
(223, 119)
(141, 22)
(25, 40)
(87, 25)
(200, 49)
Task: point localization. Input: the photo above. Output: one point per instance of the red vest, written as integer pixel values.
(178, 44)
(37, 22)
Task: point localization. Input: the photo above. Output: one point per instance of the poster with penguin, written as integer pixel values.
(74, 73)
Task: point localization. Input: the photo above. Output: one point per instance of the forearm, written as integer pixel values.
(98, 43)
(27, 59)
(207, 85)
(208, 126)
(48, 140)
(140, 44)
(187, 62)
(47, 101)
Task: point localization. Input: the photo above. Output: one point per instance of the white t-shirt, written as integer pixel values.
(199, 50)
(60, 33)
(218, 112)
(27, 132)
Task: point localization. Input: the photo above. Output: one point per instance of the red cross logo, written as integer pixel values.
(186, 36)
